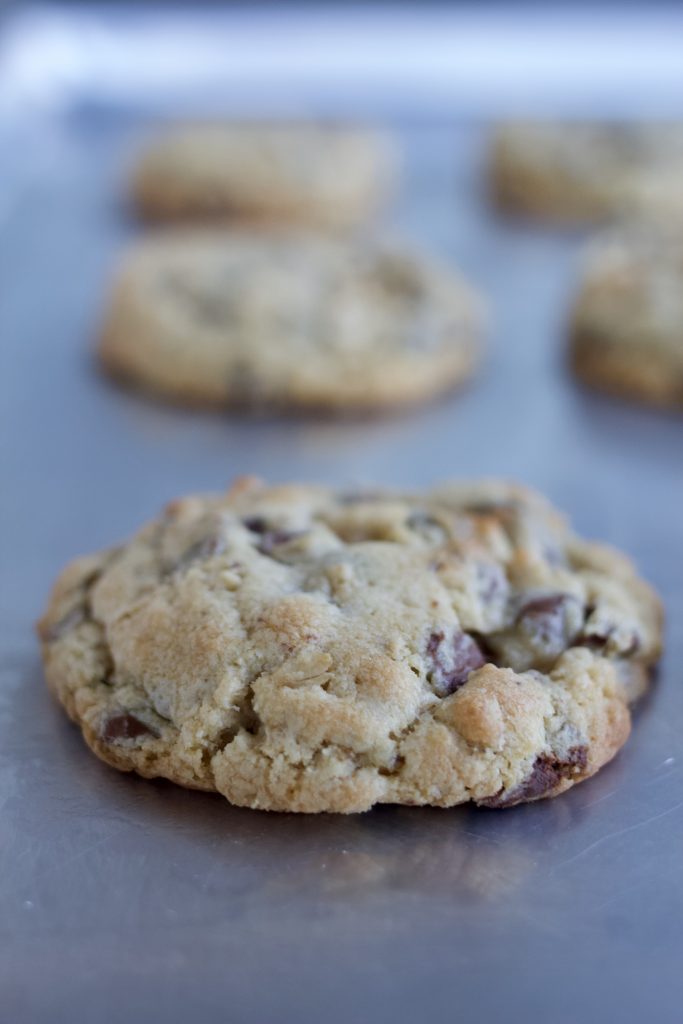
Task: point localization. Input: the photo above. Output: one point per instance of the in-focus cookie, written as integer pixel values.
(327, 175)
(627, 324)
(281, 320)
(589, 171)
(301, 649)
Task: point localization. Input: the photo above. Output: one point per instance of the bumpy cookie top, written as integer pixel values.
(333, 175)
(300, 649)
(289, 319)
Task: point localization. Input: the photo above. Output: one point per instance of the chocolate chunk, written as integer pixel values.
(547, 771)
(595, 642)
(543, 606)
(597, 638)
(48, 634)
(125, 727)
(545, 625)
(256, 524)
(544, 618)
(451, 661)
(272, 539)
(599, 641)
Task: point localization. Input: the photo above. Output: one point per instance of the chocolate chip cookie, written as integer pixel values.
(331, 176)
(627, 324)
(301, 649)
(278, 320)
(589, 171)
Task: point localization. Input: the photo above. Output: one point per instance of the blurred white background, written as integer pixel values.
(463, 59)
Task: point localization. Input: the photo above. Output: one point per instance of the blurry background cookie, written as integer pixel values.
(582, 171)
(328, 175)
(627, 328)
(275, 319)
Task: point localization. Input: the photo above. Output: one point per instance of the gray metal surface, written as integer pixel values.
(122, 899)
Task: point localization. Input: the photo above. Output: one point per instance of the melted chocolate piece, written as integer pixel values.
(546, 773)
(125, 727)
(270, 538)
(544, 617)
(597, 641)
(274, 538)
(542, 606)
(452, 661)
(256, 524)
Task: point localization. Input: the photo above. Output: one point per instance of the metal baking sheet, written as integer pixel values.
(122, 899)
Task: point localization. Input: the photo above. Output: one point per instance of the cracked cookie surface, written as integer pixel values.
(328, 176)
(281, 320)
(589, 171)
(300, 649)
(627, 322)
